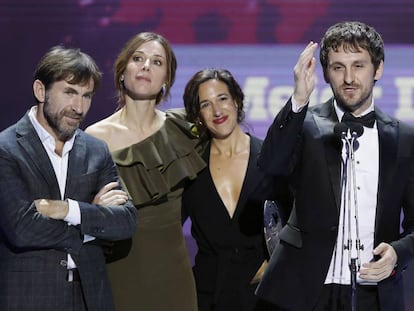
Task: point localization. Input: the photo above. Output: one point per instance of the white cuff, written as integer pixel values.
(295, 107)
(74, 215)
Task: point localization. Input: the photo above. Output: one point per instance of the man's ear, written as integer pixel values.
(39, 91)
(379, 71)
(325, 76)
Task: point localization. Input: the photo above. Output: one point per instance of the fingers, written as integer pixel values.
(104, 190)
(109, 195)
(307, 59)
(108, 187)
(383, 267)
(374, 275)
(113, 197)
(311, 68)
(304, 74)
(387, 254)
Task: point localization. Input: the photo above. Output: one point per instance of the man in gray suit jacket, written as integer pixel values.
(59, 196)
(311, 267)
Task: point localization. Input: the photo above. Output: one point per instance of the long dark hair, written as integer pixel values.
(192, 100)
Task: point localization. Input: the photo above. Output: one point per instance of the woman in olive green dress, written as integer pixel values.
(155, 153)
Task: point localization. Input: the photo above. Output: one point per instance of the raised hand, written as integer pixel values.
(304, 74)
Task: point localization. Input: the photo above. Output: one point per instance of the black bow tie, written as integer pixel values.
(367, 120)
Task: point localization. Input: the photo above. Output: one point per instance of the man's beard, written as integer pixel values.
(55, 122)
(351, 104)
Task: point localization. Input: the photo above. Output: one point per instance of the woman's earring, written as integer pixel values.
(122, 78)
(163, 89)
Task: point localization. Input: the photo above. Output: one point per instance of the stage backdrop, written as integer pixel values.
(257, 40)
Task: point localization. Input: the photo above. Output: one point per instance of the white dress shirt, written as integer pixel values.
(60, 166)
(366, 185)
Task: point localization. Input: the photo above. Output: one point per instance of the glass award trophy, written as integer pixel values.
(272, 225)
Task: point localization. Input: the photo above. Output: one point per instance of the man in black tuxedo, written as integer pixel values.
(310, 268)
(59, 196)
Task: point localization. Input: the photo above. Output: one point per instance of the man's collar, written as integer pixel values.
(340, 112)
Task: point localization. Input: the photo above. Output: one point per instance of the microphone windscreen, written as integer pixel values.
(341, 129)
(356, 129)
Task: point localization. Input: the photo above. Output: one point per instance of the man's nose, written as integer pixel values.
(77, 104)
(349, 76)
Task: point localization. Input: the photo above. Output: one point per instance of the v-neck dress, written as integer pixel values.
(230, 250)
(156, 275)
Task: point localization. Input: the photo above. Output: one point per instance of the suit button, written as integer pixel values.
(63, 263)
(333, 228)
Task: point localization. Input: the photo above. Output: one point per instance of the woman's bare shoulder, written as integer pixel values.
(105, 128)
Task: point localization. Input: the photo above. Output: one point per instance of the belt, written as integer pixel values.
(73, 275)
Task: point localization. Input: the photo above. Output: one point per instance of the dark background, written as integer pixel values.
(28, 28)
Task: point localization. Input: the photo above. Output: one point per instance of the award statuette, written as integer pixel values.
(272, 225)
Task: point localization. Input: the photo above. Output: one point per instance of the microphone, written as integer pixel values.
(356, 130)
(341, 129)
(349, 132)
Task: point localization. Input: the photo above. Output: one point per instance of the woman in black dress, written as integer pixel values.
(225, 202)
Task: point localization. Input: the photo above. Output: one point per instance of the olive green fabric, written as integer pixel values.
(157, 275)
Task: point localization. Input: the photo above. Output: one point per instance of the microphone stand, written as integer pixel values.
(354, 263)
(349, 137)
(343, 131)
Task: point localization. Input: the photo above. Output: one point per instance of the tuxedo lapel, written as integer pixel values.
(325, 120)
(76, 164)
(388, 148)
(37, 155)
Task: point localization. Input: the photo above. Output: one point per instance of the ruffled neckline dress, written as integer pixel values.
(157, 274)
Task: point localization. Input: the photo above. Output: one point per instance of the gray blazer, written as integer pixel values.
(33, 248)
(303, 146)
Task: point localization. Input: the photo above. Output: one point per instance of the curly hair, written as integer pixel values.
(192, 101)
(351, 37)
